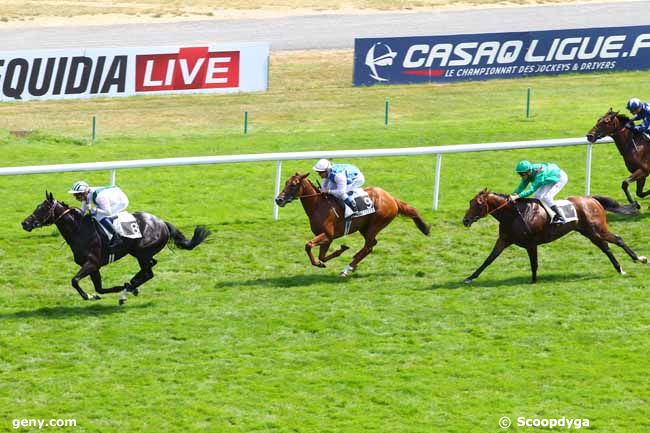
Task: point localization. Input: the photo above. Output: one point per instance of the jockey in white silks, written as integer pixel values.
(103, 204)
(340, 181)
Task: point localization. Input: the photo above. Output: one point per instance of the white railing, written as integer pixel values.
(312, 155)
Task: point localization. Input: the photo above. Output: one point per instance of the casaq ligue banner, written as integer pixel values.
(499, 55)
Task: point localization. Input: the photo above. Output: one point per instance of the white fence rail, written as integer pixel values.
(113, 166)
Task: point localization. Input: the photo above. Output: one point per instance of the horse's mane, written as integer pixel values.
(623, 118)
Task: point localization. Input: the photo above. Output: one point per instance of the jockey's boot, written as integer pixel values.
(559, 216)
(115, 242)
(350, 204)
(116, 239)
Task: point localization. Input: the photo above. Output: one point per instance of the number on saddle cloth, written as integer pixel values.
(364, 203)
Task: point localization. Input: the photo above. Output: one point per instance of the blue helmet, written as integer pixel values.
(633, 104)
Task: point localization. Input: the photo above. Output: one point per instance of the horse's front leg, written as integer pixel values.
(322, 255)
(500, 245)
(87, 268)
(97, 282)
(634, 177)
(639, 188)
(321, 239)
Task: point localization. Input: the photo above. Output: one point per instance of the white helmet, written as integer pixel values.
(322, 165)
(79, 187)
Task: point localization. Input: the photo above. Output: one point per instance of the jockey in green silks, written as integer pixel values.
(543, 181)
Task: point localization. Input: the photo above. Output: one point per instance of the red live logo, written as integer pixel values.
(191, 68)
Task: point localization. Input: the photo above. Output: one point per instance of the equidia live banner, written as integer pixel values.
(85, 73)
(499, 55)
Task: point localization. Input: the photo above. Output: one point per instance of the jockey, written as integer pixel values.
(103, 204)
(641, 111)
(544, 180)
(340, 180)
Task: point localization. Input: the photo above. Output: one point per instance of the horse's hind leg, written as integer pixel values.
(615, 239)
(601, 243)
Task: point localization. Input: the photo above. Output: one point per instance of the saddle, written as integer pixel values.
(125, 225)
(564, 206)
(364, 203)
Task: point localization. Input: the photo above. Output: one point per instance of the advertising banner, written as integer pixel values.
(111, 72)
(499, 55)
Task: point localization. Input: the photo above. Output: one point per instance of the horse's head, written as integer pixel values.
(293, 189)
(45, 213)
(606, 125)
(478, 208)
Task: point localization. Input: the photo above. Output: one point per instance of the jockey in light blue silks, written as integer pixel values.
(340, 181)
(641, 111)
(103, 204)
(543, 181)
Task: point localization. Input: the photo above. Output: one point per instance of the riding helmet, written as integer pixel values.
(523, 166)
(633, 104)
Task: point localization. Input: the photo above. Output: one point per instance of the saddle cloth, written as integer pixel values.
(125, 225)
(567, 209)
(364, 203)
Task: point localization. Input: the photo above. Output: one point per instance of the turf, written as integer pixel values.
(243, 335)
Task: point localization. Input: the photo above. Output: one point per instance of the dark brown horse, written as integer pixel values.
(526, 224)
(90, 250)
(327, 223)
(634, 148)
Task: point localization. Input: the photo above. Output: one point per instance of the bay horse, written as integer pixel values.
(327, 223)
(635, 150)
(526, 224)
(90, 249)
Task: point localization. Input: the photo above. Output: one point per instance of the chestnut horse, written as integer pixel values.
(635, 150)
(327, 223)
(526, 224)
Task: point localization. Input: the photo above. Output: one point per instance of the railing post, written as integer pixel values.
(588, 171)
(278, 175)
(112, 181)
(436, 186)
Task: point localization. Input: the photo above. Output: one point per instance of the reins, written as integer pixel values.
(622, 128)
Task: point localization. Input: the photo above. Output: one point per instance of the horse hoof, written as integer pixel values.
(622, 272)
(321, 265)
(343, 274)
(122, 301)
(638, 206)
(467, 280)
(96, 297)
(132, 290)
(642, 259)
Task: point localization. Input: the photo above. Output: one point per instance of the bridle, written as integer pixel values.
(50, 216)
(490, 212)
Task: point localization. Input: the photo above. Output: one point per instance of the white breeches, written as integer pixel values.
(547, 192)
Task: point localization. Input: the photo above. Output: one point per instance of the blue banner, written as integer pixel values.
(486, 56)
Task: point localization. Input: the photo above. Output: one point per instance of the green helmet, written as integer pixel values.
(523, 166)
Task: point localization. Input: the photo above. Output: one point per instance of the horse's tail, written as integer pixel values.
(200, 233)
(409, 211)
(613, 206)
